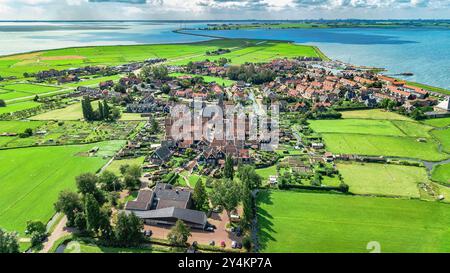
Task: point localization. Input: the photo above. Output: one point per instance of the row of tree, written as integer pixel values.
(90, 208)
(104, 111)
(251, 74)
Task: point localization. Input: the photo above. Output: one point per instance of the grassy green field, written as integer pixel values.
(438, 122)
(80, 247)
(293, 222)
(22, 90)
(208, 79)
(441, 173)
(33, 177)
(383, 179)
(379, 137)
(18, 126)
(444, 138)
(242, 51)
(71, 112)
(115, 165)
(373, 114)
(373, 145)
(267, 172)
(10, 108)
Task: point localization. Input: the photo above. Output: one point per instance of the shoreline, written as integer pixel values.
(323, 56)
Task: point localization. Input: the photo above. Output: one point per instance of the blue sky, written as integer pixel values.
(221, 9)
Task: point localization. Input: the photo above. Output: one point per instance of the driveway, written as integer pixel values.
(202, 237)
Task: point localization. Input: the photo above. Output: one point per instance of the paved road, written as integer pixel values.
(60, 231)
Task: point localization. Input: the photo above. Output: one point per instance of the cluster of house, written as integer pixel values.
(324, 88)
(164, 205)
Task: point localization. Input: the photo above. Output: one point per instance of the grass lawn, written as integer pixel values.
(267, 172)
(30, 89)
(208, 79)
(80, 247)
(243, 50)
(372, 137)
(372, 145)
(33, 177)
(441, 173)
(71, 112)
(18, 126)
(373, 114)
(132, 116)
(20, 106)
(444, 138)
(115, 165)
(438, 122)
(292, 222)
(383, 179)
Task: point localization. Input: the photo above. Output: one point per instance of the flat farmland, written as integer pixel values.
(18, 126)
(376, 137)
(242, 51)
(441, 174)
(373, 114)
(33, 177)
(444, 138)
(71, 112)
(20, 106)
(383, 179)
(373, 145)
(292, 222)
(438, 122)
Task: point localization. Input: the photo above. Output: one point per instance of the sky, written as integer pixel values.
(222, 9)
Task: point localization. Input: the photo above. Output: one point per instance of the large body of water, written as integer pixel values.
(424, 52)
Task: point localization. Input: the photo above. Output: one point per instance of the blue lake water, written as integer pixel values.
(424, 52)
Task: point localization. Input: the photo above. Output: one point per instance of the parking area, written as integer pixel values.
(203, 237)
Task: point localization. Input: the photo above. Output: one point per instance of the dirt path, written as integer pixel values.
(60, 231)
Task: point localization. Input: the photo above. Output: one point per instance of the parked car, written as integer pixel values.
(223, 244)
(236, 245)
(212, 243)
(148, 233)
(209, 229)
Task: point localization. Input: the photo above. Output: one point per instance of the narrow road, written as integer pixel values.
(60, 231)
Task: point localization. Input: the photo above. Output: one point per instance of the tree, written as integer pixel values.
(106, 111)
(9, 242)
(109, 181)
(37, 231)
(227, 194)
(100, 111)
(247, 243)
(124, 168)
(69, 203)
(179, 234)
(248, 176)
(131, 182)
(128, 230)
(87, 183)
(229, 168)
(92, 213)
(160, 72)
(200, 196)
(2, 103)
(88, 111)
(154, 127)
(165, 88)
(247, 204)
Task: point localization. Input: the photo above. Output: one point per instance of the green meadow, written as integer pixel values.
(383, 179)
(373, 114)
(81, 247)
(18, 126)
(242, 51)
(376, 133)
(444, 138)
(293, 222)
(373, 145)
(208, 79)
(441, 174)
(71, 112)
(33, 177)
(20, 106)
(438, 122)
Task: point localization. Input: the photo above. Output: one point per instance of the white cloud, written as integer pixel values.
(221, 9)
